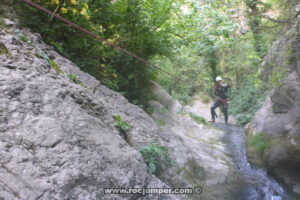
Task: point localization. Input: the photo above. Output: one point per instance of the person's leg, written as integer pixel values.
(213, 112)
(225, 111)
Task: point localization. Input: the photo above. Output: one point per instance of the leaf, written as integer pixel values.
(152, 167)
(117, 117)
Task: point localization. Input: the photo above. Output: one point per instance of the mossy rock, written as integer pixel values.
(256, 147)
(195, 175)
(281, 150)
(2, 24)
(55, 66)
(3, 49)
(74, 79)
(193, 172)
(263, 150)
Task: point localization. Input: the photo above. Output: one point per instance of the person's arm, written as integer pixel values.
(215, 91)
(225, 85)
(216, 94)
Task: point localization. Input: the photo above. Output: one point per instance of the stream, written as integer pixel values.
(258, 185)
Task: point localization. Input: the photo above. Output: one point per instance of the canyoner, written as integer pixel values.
(221, 92)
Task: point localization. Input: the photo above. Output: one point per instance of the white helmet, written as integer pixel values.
(218, 78)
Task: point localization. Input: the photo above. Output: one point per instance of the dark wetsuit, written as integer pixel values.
(221, 93)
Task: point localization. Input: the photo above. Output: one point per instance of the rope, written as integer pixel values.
(97, 37)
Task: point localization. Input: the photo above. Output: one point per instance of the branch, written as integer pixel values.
(276, 20)
(166, 19)
(59, 6)
(176, 34)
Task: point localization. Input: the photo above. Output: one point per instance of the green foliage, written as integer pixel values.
(74, 78)
(58, 46)
(55, 66)
(2, 24)
(246, 100)
(3, 49)
(244, 118)
(133, 25)
(161, 122)
(153, 155)
(275, 80)
(41, 54)
(198, 119)
(198, 36)
(51, 62)
(120, 124)
(259, 142)
(183, 97)
(23, 37)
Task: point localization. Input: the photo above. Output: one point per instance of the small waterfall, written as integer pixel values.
(259, 186)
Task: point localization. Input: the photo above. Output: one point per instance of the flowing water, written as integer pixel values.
(258, 185)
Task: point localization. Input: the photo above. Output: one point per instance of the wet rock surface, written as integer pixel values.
(255, 182)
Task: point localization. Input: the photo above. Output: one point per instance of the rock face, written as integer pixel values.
(278, 120)
(58, 138)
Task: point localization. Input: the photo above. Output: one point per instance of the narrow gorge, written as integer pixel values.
(80, 120)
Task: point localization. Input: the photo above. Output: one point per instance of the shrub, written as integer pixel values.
(198, 119)
(74, 78)
(154, 155)
(183, 98)
(22, 37)
(161, 122)
(245, 101)
(120, 124)
(259, 142)
(55, 66)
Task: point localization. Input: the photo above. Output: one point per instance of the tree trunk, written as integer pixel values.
(255, 26)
